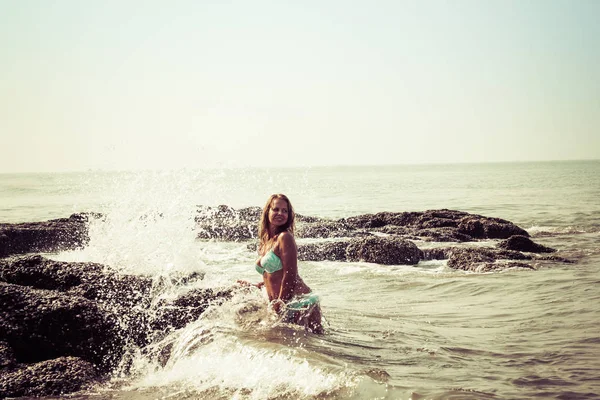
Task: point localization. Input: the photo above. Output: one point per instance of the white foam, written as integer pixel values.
(208, 356)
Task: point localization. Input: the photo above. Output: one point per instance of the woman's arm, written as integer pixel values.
(289, 259)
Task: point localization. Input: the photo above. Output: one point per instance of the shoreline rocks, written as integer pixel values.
(53, 235)
(67, 325)
(72, 324)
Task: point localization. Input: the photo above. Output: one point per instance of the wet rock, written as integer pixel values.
(52, 310)
(384, 250)
(54, 235)
(48, 378)
(485, 259)
(233, 232)
(89, 280)
(489, 228)
(444, 234)
(330, 251)
(395, 230)
(329, 229)
(439, 253)
(226, 223)
(553, 258)
(523, 243)
(380, 250)
(42, 324)
(7, 357)
(186, 308)
(365, 221)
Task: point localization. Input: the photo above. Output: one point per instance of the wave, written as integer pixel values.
(548, 231)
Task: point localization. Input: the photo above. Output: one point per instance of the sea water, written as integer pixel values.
(420, 331)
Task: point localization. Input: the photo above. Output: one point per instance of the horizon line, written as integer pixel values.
(257, 167)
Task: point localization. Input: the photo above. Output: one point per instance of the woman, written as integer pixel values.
(289, 296)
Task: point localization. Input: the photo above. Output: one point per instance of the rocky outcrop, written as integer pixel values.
(387, 237)
(523, 243)
(59, 319)
(380, 250)
(227, 223)
(54, 235)
(384, 250)
(486, 259)
(51, 377)
(327, 229)
(472, 225)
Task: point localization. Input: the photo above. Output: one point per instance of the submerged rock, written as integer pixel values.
(485, 259)
(523, 243)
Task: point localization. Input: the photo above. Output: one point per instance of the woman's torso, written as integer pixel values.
(273, 280)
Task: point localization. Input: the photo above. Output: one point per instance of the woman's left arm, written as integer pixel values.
(289, 259)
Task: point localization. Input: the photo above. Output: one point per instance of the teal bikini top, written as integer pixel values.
(270, 263)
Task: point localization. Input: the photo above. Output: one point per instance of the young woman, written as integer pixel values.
(289, 296)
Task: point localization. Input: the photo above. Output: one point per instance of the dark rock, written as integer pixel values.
(226, 223)
(523, 243)
(365, 221)
(90, 280)
(7, 356)
(51, 309)
(48, 378)
(444, 234)
(42, 324)
(186, 308)
(395, 230)
(232, 232)
(384, 250)
(54, 235)
(483, 259)
(329, 229)
(330, 251)
(480, 227)
(439, 253)
(553, 258)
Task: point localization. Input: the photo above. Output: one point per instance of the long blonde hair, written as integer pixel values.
(264, 225)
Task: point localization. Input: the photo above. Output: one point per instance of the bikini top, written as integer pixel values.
(270, 263)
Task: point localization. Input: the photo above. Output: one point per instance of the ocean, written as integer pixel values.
(422, 331)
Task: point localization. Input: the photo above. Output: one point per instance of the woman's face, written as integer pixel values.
(278, 212)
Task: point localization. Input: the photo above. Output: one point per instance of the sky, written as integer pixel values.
(119, 85)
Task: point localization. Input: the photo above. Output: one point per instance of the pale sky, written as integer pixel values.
(192, 84)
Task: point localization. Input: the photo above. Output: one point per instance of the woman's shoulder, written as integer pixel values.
(286, 237)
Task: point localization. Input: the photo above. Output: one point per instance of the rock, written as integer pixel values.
(380, 250)
(42, 324)
(384, 250)
(328, 229)
(330, 251)
(186, 308)
(54, 235)
(439, 253)
(226, 223)
(233, 232)
(90, 280)
(443, 234)
(48, 378)
(523, 243)
(484, 259)
(480, 227)
(7, 357)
